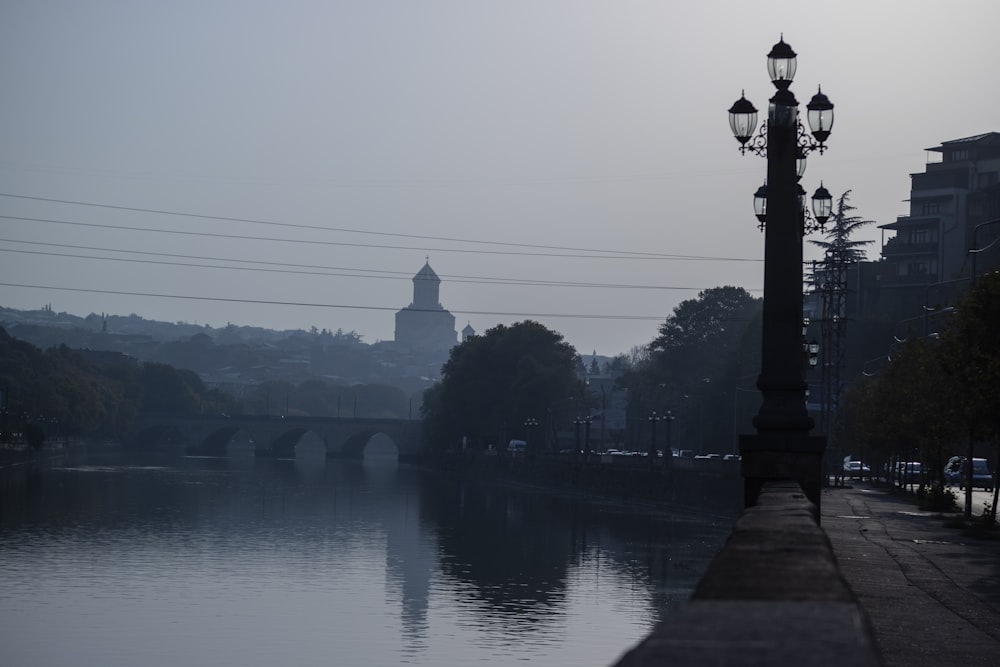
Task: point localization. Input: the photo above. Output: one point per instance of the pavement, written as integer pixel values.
(930, 589)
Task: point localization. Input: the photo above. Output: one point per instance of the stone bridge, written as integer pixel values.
(276, 436)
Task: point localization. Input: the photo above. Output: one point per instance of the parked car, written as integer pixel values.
(954, 472)
(856, 469)
(907, 472)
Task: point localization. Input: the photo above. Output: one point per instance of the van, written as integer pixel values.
(954, 473)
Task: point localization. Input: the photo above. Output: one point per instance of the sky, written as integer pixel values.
(293, 164)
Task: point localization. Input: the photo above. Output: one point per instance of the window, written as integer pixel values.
(987, 179)
(957, 156)
(930, 208)
(917, 269)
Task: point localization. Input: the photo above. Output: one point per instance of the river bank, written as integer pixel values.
(715, 488)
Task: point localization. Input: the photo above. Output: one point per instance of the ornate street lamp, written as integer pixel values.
(760, 205)
(822, 204)
(781, 64)
(782, 441)
(820, 117)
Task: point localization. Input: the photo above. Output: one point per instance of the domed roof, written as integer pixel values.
(468, 330)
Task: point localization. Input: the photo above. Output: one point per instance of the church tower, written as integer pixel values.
(426, 289)
(425, 326)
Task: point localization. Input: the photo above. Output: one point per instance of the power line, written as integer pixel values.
(270, 239)
(301, 269)
(303, 304)
(599, 253)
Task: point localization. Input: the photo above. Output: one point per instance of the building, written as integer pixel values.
(425, 327)
(927, 260)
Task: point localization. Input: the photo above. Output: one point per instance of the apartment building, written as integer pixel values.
(926, 261)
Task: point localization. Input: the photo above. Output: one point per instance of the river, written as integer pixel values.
(115, 560)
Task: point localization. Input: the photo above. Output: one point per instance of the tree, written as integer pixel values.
(695, 363)
(972, 347)
(166, 389)
(703, 333)
(492, 383)
(829, 281)
(838, 245)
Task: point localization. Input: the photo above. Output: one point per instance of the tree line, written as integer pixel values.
(65, 392)
(936, 392)
(526, 381)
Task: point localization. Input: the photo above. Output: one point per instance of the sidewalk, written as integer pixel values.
(932, 594)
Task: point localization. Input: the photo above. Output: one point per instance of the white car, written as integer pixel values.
(856, 469)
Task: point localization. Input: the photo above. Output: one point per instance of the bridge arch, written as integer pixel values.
(371, 441)
(212, 435)
(214, 443)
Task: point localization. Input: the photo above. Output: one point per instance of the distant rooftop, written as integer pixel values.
(965, 140)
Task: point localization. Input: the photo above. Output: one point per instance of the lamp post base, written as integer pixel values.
(793, 456)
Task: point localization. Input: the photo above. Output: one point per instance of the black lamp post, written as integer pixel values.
(668, 450)
(577, 423)
(782, 447)
(529, 424)
(653, 418)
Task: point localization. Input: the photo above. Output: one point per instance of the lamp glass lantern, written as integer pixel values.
(822, 204)
(781, 63)
(820, 116)
(742, 119)
(760, 203)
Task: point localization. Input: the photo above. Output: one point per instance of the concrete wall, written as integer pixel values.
(773, 596)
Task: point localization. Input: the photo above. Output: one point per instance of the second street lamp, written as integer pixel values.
(782, 446)
(529, 424)
(653, 418)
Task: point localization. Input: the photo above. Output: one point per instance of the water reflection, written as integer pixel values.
(370, 562)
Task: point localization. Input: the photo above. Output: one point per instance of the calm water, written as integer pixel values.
(178, 561)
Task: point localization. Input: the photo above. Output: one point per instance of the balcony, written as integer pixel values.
(897, 247)
(946, 177)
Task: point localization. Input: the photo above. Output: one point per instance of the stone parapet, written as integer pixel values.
(773, 596)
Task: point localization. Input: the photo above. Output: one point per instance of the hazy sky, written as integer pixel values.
(512, 142)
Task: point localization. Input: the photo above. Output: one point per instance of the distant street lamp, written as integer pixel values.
(653, 418)
(577, 423)
(782, 444)
(529, 424)
(668, 451)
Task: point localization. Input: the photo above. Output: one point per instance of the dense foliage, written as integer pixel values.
(695, 365)
(78, 393)
(64, 392)
(493, 383)
(934, 394)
